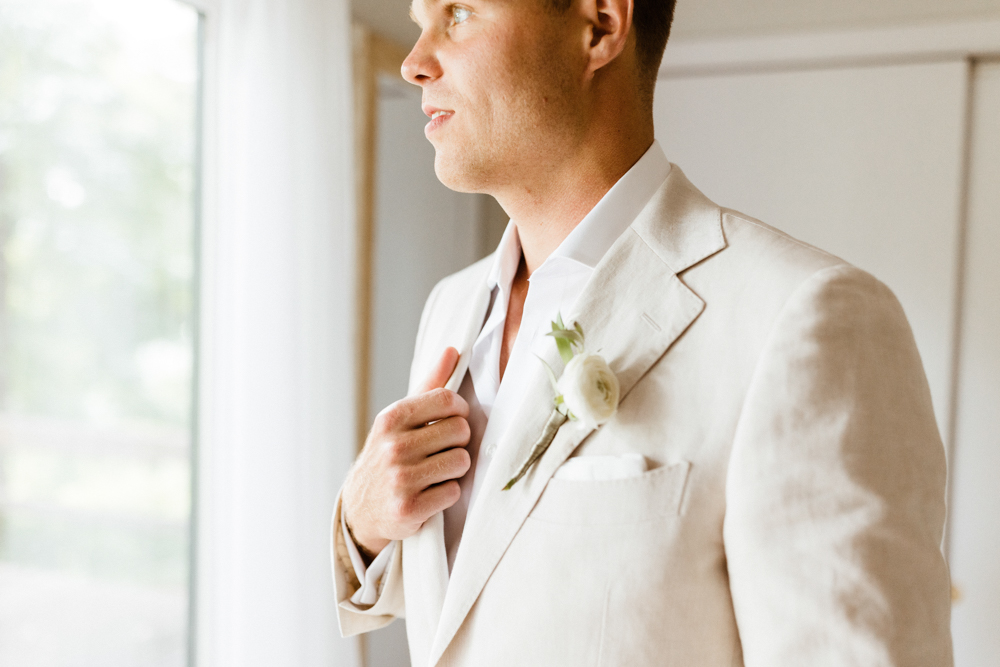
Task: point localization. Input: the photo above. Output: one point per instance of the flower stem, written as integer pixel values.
(556, 420)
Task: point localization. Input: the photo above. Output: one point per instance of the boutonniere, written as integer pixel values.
(587, 391)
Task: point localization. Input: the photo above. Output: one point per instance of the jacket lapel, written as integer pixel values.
(632, 309)
(471, 329)
(425, 562)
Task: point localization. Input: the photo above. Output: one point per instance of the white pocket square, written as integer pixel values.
(601, 468)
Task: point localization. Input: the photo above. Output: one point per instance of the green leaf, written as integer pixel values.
(566, 339)
(569, 335)
(565, 349)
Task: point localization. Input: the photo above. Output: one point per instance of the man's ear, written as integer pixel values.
(610, 22)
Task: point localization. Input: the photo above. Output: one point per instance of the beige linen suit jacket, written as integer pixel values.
(793, 510)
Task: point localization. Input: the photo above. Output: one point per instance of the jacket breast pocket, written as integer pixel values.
(653, 495)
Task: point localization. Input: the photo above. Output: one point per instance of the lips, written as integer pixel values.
(438, 117)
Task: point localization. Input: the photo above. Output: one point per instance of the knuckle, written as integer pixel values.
(395, 415)
(463, 459)
(397, 515)
(452, 492)
(447, 397)
(398, 510)
(456, 403)
(396, 450)
(464, 432)
(454, 464)
(406, 508)
(384, 419)
(398, 480)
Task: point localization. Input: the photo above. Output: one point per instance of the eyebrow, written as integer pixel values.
(428, 4)
(413, 16)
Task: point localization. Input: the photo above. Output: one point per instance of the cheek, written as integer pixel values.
(493, 81)
(506, 70)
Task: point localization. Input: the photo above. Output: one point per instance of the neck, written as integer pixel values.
(548, 206)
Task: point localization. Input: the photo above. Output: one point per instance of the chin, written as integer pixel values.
(459, 173)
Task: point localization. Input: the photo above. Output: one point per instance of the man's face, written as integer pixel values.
(507, 75)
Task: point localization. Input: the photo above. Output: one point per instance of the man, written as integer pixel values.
(770, 487)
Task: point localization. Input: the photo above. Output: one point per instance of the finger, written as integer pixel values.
(415, 411)
(443, 434)
(441, 372)
(450, 464)
(413, 446)
(437, 498)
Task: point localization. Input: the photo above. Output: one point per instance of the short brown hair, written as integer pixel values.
(651, 20)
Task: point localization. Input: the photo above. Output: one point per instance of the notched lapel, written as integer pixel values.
(632, 310)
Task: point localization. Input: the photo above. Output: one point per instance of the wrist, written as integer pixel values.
(365, 548)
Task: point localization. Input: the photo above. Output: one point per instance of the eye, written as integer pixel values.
(459, 14)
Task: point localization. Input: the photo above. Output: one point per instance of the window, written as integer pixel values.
(98, 138)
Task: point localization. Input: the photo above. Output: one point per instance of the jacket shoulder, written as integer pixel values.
(772, 250)
(762, 271)
(773, 264)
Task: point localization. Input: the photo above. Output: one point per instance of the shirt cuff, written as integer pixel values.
(370, 577)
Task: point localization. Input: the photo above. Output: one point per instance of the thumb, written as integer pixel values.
(441, 371)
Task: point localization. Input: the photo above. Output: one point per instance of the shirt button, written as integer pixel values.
(491, 450)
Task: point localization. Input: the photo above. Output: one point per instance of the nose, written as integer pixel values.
(421, 65)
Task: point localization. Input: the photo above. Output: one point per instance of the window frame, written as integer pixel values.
(204, 157)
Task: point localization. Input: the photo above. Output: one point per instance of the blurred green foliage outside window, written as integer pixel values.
(97, 221)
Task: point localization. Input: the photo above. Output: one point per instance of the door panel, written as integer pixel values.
(975, 508)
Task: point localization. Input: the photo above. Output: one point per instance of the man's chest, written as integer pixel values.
(512, 320)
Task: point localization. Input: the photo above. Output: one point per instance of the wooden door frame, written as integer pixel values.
(374, 56)
(973, 40)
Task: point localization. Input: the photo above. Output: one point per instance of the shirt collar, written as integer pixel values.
(599, 229)
(507, 257)
(593, 237)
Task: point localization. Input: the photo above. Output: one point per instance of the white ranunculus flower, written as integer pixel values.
(589, 389)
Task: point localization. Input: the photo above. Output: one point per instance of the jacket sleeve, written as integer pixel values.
(835, 495)
(355, 619)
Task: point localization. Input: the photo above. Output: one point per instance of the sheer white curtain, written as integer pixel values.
(277, 403)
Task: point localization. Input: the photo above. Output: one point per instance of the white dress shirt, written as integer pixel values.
(553, 288)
